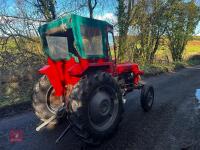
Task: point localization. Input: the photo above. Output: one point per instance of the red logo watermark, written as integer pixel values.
(16, 135)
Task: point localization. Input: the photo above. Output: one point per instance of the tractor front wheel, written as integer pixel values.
(45, 103)
(95, 107)
(147, 97)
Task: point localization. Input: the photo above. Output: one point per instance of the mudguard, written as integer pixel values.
(55, 75)
(129, 67)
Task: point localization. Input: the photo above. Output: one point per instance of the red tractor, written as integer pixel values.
(82, 82)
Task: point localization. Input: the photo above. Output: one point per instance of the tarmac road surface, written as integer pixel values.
(172, 124)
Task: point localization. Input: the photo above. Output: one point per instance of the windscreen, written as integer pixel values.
(92, 40)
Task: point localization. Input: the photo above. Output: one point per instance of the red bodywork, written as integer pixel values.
(69, 72)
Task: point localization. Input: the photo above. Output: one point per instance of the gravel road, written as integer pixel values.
(172, 124)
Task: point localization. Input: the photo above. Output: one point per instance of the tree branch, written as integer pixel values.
(21, 18)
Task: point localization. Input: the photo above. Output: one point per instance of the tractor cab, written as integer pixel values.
(77, 37)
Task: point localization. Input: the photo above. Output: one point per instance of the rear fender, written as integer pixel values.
(55, 75)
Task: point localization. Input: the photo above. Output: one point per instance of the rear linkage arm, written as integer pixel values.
(45, 123)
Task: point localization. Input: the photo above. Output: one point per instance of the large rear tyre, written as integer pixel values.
(45, 103)
(95, 107)
(147, 97)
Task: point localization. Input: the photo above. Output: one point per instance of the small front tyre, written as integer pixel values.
(147, 97)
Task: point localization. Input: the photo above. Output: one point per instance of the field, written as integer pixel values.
(192, 48)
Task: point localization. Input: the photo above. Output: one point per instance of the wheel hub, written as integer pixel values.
(150, 98)
(103, 108)
(54, 102)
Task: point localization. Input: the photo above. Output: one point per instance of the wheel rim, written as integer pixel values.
(103, 108)
(53, 102)
(150, 98)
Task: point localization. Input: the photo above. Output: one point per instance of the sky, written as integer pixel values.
(197, 31)
(103, 12)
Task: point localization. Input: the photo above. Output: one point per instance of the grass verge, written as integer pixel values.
(158, 68)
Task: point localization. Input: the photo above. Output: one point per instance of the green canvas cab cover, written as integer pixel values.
(90, 35)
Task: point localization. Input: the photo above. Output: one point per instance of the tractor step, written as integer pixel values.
(45, 123)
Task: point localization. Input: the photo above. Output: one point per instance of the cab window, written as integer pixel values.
(59, 44)
(92, 40)
(111, 44)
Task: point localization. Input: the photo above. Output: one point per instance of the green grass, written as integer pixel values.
(163, 62)
(158, 68)
(192, 48)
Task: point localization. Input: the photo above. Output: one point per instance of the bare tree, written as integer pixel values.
(46, 8)
(91, 7)
(19, 37)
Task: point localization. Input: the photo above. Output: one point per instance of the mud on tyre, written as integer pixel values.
(44, 102)
(95, 107)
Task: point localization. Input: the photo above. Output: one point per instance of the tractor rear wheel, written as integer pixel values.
(95, 107)
(45, 103)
